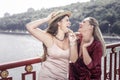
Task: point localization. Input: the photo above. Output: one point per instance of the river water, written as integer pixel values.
(17, 47)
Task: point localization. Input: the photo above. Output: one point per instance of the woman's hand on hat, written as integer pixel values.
(50, 16)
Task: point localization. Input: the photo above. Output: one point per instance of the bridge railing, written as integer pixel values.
(4, 74)
(111, 62)
(110, 65)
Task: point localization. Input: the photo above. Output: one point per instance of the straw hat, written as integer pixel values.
(58, 14)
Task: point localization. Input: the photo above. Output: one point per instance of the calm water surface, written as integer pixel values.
(17, 47)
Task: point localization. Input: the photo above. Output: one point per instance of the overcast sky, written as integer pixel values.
(19, 6)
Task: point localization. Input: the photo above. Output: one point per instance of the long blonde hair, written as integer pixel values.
(97, 33)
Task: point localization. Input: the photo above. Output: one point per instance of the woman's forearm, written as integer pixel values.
(36, 23)
(86, 57)
(73, 52)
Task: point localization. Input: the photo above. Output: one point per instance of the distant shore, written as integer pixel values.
(14, 33)
(108, 39)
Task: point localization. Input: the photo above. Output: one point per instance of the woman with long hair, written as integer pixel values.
(87, 49)
(55, 43)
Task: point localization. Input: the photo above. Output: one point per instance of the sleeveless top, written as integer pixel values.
(56, 65)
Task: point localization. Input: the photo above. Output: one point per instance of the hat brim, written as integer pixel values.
(59, 15)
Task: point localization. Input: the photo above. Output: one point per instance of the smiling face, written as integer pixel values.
(85, 26)
(64, 24)
(61, 23)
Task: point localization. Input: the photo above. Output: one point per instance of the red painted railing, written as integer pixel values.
(4, 74)
(112, 70)
(108, 74)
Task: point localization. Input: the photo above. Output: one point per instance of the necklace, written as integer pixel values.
(59, 39)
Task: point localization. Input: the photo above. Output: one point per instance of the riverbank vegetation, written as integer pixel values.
(107, 12)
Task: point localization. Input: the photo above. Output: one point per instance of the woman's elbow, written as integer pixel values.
(73, 60)
(28, 27)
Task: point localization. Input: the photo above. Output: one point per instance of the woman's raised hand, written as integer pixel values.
(88, 43)
(51, 15)
(72, 38)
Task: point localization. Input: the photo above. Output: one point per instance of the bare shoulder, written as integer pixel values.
(48, 40)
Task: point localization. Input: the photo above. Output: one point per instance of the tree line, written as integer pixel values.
(106, 12)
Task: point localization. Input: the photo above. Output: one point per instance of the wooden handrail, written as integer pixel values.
(19, 63)
(111, 45)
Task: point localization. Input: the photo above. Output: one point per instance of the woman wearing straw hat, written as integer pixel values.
(86, 55)
(55, 44)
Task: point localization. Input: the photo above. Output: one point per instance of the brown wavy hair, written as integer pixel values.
(53, 30)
